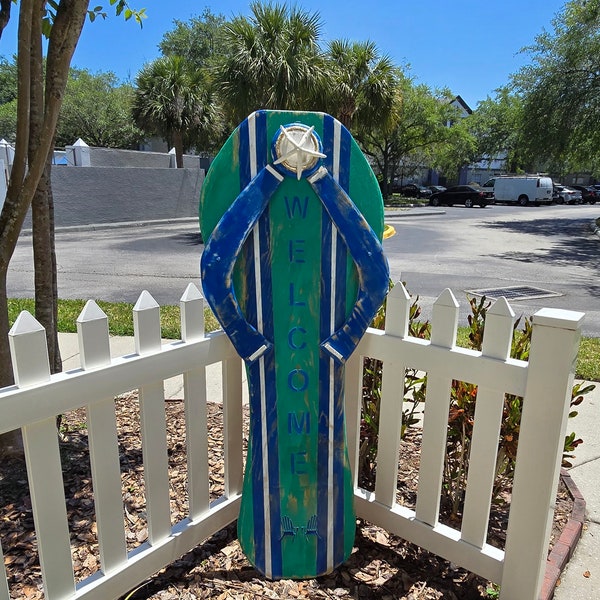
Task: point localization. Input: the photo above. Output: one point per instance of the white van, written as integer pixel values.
(524, 189)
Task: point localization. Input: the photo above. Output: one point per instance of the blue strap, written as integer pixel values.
(366, 252)
(226, 241)
(219, 258)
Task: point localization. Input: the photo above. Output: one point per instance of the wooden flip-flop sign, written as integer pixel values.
(294, 271)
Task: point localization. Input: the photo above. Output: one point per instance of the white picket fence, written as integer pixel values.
(37, 398)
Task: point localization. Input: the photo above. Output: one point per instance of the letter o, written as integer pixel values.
(294, 375)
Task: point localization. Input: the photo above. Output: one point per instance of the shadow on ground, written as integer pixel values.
(575, 245)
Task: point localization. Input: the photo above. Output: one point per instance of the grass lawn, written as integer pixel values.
(120, 321)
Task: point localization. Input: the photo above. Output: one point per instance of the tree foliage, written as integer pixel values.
(97, 109)
(8, 80)
(174, 100)
(561, 90)
(199, 41)
(497, 125)
(273, 61)
(417, 134)
(360, 84)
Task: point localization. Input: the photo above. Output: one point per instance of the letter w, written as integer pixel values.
(296, 206)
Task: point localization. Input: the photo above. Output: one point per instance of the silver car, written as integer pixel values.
(566, 195)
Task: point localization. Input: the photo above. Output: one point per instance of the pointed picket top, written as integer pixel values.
(3, 142)
(146, 324)
(91, 312)
(444, 320)
(25, 323)
(80, 144)
(191, 293)
(92, 333)
(397, 312)
(498, 332)
(29, 351)
(192, 314)
(145, 301)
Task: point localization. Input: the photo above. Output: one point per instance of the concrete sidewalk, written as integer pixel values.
(581, 578)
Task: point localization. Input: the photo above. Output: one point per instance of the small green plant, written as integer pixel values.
(462, 415)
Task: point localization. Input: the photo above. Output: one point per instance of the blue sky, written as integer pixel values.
(470, 46)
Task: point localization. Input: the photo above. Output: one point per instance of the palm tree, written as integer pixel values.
(173, 99)
(362, 83)
(273, 61)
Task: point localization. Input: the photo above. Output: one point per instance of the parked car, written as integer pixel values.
(566, 195)
(588, 193)
(414, 190)
(469, 195)
(436, 188)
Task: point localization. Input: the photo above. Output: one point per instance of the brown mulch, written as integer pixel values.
(381, 565)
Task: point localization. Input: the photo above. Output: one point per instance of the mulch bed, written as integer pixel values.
(381, 566)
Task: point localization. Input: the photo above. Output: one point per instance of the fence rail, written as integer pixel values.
(544, 382)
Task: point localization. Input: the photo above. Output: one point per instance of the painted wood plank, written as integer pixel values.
(352, 403)
(554, 345)
(390, 428)
(4, 593)
(29, 354)
(46, 487)
(156, 465)
(92, 331)
(486, 429)
(232, 426)
(433, 448)
(194, 386)
(153, 430)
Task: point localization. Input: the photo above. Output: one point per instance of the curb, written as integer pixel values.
(563, 549)
(118, 225)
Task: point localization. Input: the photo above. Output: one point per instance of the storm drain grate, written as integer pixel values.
(514, 292)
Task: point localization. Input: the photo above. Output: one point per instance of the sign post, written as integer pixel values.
(293, 268)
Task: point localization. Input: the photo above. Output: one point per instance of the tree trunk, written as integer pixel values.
(30, 163)
(178, 144)
(44, 259)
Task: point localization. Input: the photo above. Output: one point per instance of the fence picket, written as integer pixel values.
(352, 409)
(392, 400)
(232, 426)
(194, 391)
(397, 311)
(40, 440)
(444, 320)
(146, 319)
(444, 323)
(92, 331)
(554, 344)
(4, 592)
(486, 430)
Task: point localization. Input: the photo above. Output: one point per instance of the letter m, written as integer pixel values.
(295, 426)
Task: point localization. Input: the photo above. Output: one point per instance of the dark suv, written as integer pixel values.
(413, 190)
